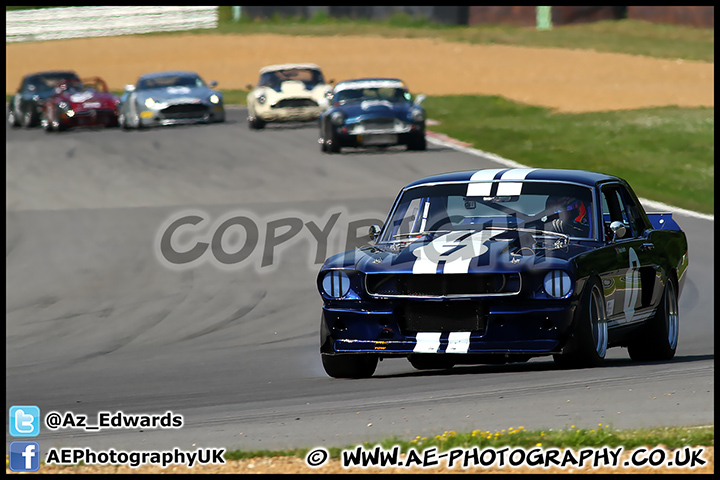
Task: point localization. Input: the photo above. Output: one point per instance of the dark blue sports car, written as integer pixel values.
(502, 265)
(372, 112)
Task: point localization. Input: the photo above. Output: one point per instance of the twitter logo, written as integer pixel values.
(24, 421)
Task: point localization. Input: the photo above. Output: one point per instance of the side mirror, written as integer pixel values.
(420, 98)
(213, 84)
(129, 88)
(618, 229)
(58, 90)
(331, 81)
(374, 232)
(249, 87)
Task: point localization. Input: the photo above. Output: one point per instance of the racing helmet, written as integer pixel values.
(578, 213)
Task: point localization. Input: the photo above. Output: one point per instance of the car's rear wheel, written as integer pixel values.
(589, 342)
(343, 365)
(658, 339)
(430, 361)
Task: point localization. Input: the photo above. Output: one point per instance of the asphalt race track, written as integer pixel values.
(96, 321)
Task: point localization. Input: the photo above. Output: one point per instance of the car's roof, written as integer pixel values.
(169, 73)
(52, 73)
(370, 82)
(289, 66)
(582, 177)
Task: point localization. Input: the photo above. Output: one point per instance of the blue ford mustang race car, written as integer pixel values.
(372, 111)
(502, 265)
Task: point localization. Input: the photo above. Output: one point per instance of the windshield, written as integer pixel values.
(389, 94)
(309, 76)
(540, 206)
(47, 83)
(171, 81)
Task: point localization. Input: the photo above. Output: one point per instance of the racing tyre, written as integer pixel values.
(431, 361)
(46, 123)
(12, 118)
(331, 143)
(349, 365)
(589, 342)
(658, 339)
(417, 143)
(255, 123)
(28, 120)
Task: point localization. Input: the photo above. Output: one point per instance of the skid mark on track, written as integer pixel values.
(232, 319)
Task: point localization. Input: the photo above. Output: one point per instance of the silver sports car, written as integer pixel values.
(170, 98)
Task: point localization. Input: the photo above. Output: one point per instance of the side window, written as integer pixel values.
(613, 209)
(634, 216)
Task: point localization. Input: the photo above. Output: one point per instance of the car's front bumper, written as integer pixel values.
(179, 114)
(289, 114)
(531, 328)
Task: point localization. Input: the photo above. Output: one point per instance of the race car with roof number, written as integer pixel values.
(502, 265)
(372, 112)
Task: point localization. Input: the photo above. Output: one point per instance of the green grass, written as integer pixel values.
(666, 154)
(571, 437)
(618, 36)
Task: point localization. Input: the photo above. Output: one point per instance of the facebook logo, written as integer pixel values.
(24, 456)
(24, 421)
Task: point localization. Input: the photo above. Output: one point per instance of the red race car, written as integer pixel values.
(84, 103)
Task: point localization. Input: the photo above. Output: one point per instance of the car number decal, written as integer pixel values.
(481, 182)
(448, 252)
(178, 90)
(81, 97)
(458, 342)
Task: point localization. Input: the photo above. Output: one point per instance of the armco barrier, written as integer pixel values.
(76, 22)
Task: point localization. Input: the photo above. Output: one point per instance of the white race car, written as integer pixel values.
(288, 92)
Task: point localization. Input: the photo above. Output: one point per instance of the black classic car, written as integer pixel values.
(26, 105)
(502, 265)
(372, 112)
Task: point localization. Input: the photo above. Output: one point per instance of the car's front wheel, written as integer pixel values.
(255, 123)
(589, 342)
(343, 365)
(417, 143)
(12, 119)
(28, 119)
(658, 339)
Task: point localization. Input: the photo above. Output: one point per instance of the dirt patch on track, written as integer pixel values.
(567, 80)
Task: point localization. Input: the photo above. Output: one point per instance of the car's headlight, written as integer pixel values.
(70, 113)
(214, 98)
(337, 118)
(261, 99)
(149, 102)
(557, 284)
(336, 284)
(418, 115)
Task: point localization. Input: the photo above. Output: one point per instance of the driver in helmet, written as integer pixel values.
(567, 215)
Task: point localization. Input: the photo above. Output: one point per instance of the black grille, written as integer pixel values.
(438, 285)
(193, 110)
(295, 102)
(454, 316)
